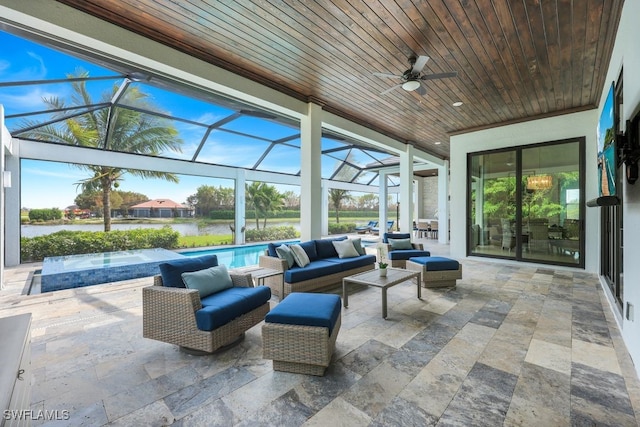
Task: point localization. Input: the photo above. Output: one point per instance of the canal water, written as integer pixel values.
(188, 229)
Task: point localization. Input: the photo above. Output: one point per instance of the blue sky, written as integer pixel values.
(52, 185)
(49, 184)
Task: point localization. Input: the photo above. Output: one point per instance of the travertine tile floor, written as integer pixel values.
(510, 345)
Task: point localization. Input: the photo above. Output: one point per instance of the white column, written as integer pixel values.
(406, 190)
(12, 212)
(419, 209)
(443, 203)
(3, 208)
(310, 173)
(325, 208)
(241, 206)
(10, 204)
(382, 202)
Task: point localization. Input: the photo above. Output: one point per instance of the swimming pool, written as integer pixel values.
(237, 256)
(75, 271)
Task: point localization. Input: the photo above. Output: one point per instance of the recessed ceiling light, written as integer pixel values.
(457, 103)
(437, 142)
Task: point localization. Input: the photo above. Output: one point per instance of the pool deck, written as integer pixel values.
(540, 341)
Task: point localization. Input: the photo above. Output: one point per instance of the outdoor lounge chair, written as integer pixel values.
(366, 228)
(376, 230)
(198, 322)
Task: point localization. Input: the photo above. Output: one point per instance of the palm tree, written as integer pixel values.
(264, 199)
(254, 197)
(337, 196)
(273, 201)
(113, 128)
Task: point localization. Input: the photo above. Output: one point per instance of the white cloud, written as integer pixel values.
(31, 100)
(43, 69)
(73, 173)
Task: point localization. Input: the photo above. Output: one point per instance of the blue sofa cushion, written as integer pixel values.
(307, 309)
(349, 263)
(437, 263)
(314, 270)
(325, 247)
(387, 236)
(171, 271)
(224, 306)
(310, 248)
(408, 253)
(271, 250)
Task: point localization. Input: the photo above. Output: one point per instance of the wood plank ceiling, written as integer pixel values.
(516, 59)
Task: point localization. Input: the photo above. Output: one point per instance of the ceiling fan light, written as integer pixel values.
(411, 85)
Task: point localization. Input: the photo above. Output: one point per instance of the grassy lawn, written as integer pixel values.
(201, 241)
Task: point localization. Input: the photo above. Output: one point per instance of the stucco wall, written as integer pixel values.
(430, 197)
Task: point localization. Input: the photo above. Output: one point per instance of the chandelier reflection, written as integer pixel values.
(539, 182)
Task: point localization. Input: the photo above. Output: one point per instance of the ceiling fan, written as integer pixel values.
(412, 78)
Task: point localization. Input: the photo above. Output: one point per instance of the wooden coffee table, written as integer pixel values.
(372, 278)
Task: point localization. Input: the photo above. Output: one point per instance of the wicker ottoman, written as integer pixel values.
(299, 334)
(437, 272)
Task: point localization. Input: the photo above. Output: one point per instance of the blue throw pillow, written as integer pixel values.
(325, 247)
(310, 248)
(171, 271)
(208, 281)
(271, 250)
(387, 236)
(400, 244)
(357, 243)
(284, 252)
(299, 255)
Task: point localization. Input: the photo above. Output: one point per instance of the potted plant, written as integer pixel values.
(382, 269)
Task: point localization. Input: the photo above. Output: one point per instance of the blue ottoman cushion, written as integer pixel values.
(405, 254)
(437, 263)
(307, 309)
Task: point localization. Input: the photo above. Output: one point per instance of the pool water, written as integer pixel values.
(237, 256)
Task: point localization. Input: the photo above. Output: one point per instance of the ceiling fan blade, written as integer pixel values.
(421, 91)
(392, 76)
(421, 61)
(390, 89)
(439, 76)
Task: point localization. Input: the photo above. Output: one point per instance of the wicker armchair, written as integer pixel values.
(397, 258)
(385, 248)
(168, 315)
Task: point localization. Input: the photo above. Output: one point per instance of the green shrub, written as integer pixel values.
(271, 233)
(45, 214)
(85, 242)
(343, 227)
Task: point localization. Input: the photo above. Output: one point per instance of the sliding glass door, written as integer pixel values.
(527, 203)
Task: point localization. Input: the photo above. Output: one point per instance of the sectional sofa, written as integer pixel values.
(325, 268)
